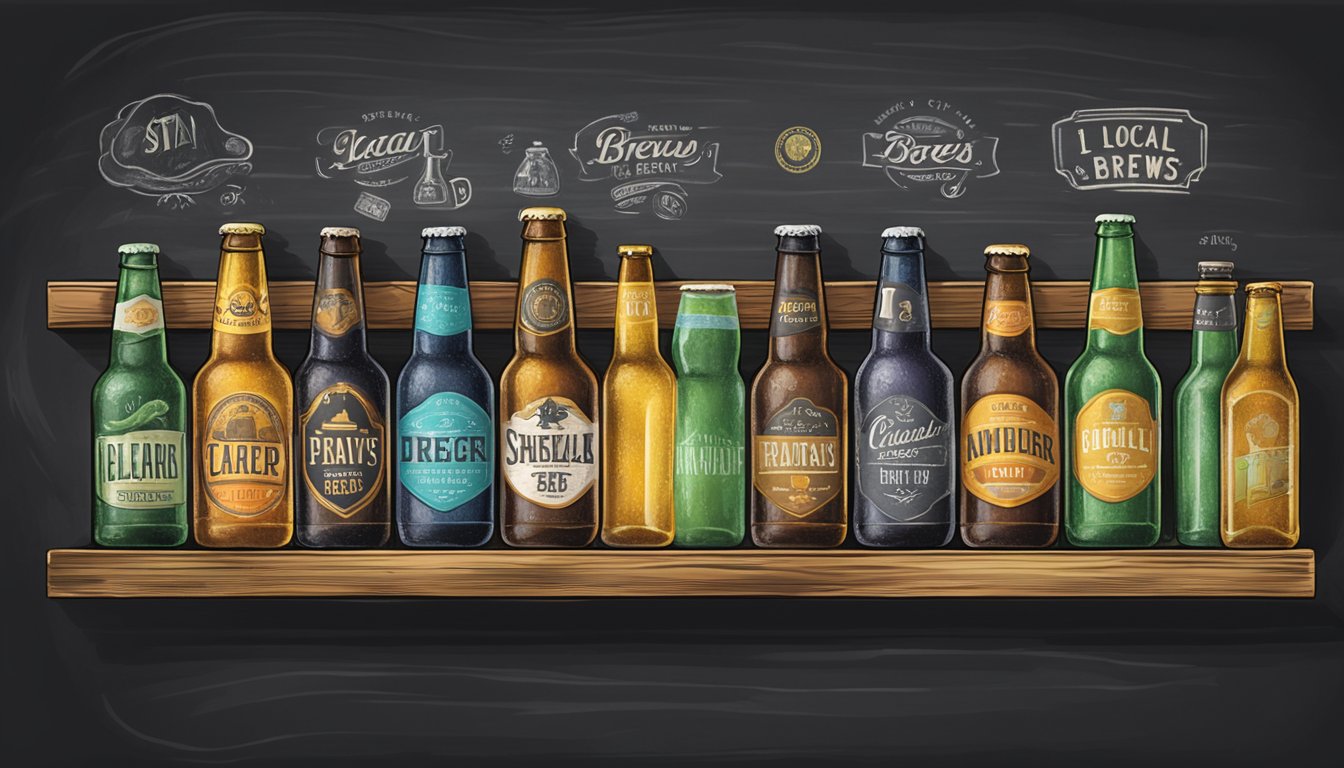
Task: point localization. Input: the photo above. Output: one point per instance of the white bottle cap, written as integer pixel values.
(138, 248)
(902, 232)
(709, 287)
(242, 228)
(339, 232)
(1116, 218)
(443, 232)
(797, 230)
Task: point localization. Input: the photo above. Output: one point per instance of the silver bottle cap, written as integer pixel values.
(443, 232)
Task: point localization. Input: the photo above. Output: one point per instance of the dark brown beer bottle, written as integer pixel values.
(1010, 449)
(799, 411)
(548, 403)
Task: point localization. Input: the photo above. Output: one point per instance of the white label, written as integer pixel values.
(550, 452)
(142, 314)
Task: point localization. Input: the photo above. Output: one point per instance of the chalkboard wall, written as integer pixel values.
(1250, 170)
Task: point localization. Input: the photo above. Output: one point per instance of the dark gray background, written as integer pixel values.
(443, 682)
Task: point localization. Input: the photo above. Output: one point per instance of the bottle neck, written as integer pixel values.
(443, 305)
(1115, 315)
(707, 340)
(798, 322)
(1214, 324)
(544, 324)
(636, 309)
(338, 310)
(138, 326)
(1008, 318)
(242, 325)
(1263, 344)
(901, 310)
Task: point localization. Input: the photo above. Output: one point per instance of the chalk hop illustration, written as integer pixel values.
(172, 148)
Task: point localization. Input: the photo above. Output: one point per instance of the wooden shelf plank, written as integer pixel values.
(389, 305)
(680, 573)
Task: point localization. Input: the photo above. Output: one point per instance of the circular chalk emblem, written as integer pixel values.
(798, 149)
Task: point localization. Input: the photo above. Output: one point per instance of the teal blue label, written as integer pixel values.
(721, 322)
(447, 451)
(443, 310)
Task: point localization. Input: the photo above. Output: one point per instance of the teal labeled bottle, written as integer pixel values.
(139, 419)
(1199, 406)
(445, 408)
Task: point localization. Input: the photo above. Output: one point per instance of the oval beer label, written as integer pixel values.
(550, 452)
(1115, 310)
(904, 453)
(245, 455)
(443, 310)
(344, 449)
(336, 311)
(1115, 445)
(447, 451)
(1010, 450)
(1007, 318)
(242, 310)
(795, 461)
(544, 307)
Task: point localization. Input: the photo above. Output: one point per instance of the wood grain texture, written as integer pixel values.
(679, 573)
(390, 305)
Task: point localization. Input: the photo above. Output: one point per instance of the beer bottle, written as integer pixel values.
(1199, 406)
(1261, 445)
(243, 406)
(547, 403)
(710, 484)
(342, 393)
(799, 410)
(1009, 421)
(639, 416)
(139, 419)
(445, 410)
(903, 426)
(1113, 408)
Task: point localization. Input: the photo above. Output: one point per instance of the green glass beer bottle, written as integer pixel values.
(1113, 408)
(1199, 406)
(709, 487)
(139, 419)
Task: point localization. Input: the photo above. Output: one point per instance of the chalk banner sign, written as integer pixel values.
(1136, 149)
(648, 164)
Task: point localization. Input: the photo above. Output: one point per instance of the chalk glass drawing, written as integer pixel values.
(172, 148)
(385, 149)
(506, 144)
(649, 163)
(1131, 149)
(537, 175)
(232, 195)
(930, 143)
(798, 149)
(1217, 240)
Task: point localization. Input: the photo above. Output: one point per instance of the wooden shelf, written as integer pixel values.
(680, 573)
(389, 305)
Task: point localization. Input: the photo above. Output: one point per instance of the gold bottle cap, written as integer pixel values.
(443, 232)
(542, 213)
(339, 232)
(242, 228)
(797, 230)
(1260, 289)
(902, 232)
(708, 288)
(634, 250)
(1007, 249)
(1116, 218)
(137, 248)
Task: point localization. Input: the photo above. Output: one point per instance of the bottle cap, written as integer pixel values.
(339, 232)
(902, 232)
(1116, 218)
(797, 230)
(1215, 270)
(634, 250)
(1263, 288)
(542, 213)
(137, 248)
(443, 232)
(1008, 249)
(242, 228)
(708, 288)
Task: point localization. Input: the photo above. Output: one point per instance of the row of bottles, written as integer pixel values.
(669, 451)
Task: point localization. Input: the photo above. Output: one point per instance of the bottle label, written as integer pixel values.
(1215, 313)
(337, 311)
(1115, 310)
(900, 309)
(904, 456)
(243, 310)
(245, 455)
(696, 321)
(1007, 318)
(717, 450)
(344, 449)
(544, 307)
(442, 310)
(795, 312)
(142, 469)
(142, 315)
(634, 303)
(1010, 450)
(1115, 445)
(447, 454)
(1264, 470)
(796, 458)
(550, 452)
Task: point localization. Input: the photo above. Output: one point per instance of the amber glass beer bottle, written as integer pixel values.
(342, 490)
(799, 410)
(243, 410)
(1010, 449)
(639, 416)
(548, 403)
(1261, 444)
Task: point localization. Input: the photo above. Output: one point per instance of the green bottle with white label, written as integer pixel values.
(139, 419)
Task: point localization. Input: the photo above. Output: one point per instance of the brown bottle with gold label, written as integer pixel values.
(243, 410)
(342, 491)
(799, 411)
(548, 403)
(1010, 449)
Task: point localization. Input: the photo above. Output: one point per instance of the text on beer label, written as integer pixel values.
(1010, 450)
(447, 451)
(442, 310)
(244, 456)
(544, 307)
(795, 312)
(900, 309)
(903, 466)
(242, 310)
(1007, 317)
(1115, 310)
(344, 449)
(1115, 445)
(550, 452)
(142, 469)
(796, 459)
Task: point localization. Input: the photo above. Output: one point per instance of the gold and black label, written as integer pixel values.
(543, 308)
(796, 311)
(336, 311)
(796, 459)
(245, 455)
(242, 310)
(344, 449)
